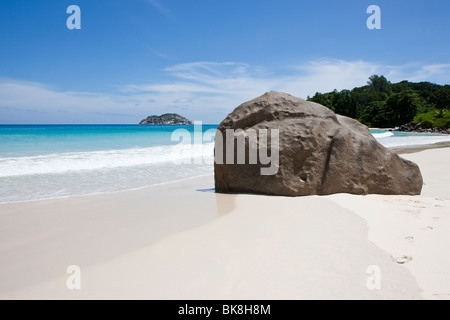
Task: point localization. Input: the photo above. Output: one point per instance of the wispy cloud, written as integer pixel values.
(416, 72)
(158, 53)
(205, 91)
(22, 100)
(162, 9)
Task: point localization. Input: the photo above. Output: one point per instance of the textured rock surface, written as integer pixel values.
(166, 119)
(320, 153)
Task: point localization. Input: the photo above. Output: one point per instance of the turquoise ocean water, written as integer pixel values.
(46, 161)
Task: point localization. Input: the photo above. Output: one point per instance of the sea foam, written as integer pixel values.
(382, 135)
(108, 159)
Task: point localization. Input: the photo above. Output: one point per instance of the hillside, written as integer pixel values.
(166, 119)
(383, 104)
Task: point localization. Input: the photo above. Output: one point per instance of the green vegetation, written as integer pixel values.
(383, 104)
(439, 118)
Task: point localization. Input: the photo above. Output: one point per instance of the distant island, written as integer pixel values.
(166, 119)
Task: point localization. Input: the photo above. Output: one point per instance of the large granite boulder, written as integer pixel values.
(320, 153)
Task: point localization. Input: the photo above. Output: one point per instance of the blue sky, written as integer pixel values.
(202, 58)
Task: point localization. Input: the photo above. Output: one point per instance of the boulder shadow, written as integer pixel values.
(225, 201)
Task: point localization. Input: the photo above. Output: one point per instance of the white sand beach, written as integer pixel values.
(183, 241)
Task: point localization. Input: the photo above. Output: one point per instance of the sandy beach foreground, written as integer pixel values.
(183, 241)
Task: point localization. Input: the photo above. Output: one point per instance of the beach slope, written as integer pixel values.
(183, 241)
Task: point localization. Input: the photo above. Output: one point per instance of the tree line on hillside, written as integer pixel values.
(383, 104)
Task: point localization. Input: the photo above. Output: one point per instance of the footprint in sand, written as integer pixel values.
(403, 260)
(410, 239)
(428, 228)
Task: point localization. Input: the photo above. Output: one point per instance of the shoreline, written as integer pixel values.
(399, 150)
(180, 240)
(419, 148)
(107, 192)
